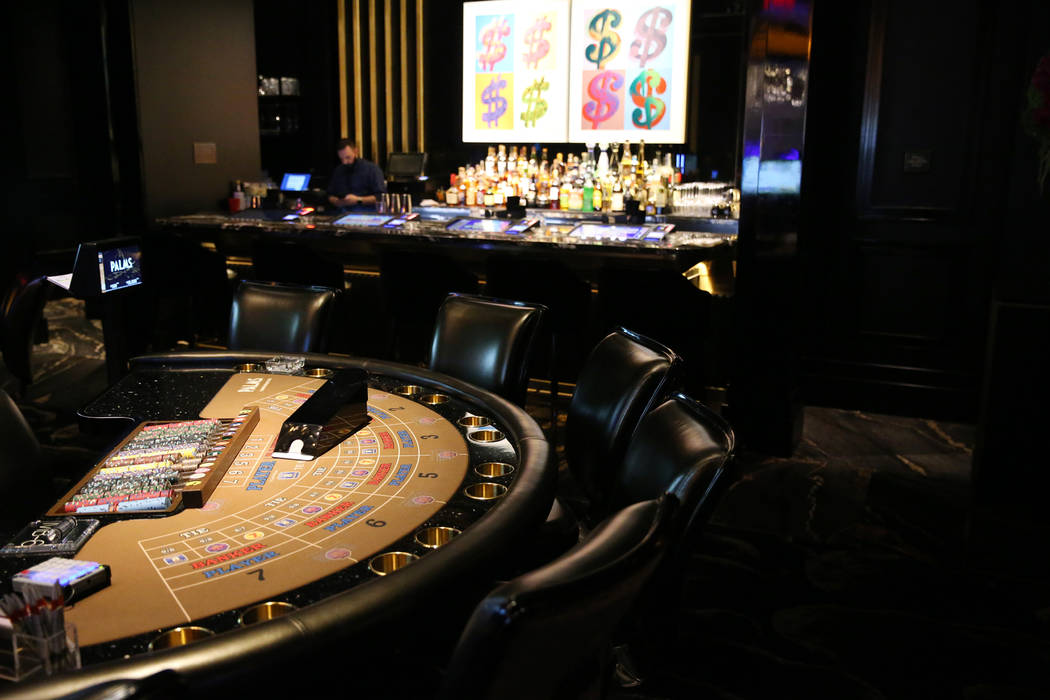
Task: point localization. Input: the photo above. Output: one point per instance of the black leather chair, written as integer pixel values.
(22, 312)
(624, 376)
(32, 476)
(547, 634)
(488, 342)
(280, 317)
(680, 447)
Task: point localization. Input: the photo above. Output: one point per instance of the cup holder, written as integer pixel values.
(491, 470)
(263, 612)
(389, 562)
(434, 537)
(486, 436)
(179, 636)
(485, 491)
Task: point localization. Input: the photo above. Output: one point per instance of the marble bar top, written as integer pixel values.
(552, 231)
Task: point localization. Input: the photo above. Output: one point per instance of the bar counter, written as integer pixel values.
(693, 239)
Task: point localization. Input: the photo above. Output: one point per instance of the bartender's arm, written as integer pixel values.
(351, 200)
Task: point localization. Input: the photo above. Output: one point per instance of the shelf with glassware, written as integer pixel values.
(611, 182)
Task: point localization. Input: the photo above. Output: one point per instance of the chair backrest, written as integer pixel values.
(22, 309)
(488, 342)
(680, 447)
(280, 317)
(23, 474)
(624, 376)
(547, 633)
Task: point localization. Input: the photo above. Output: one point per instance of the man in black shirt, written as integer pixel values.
(355, 183)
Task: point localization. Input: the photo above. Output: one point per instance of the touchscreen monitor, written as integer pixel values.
(362, 220)
(479, 225)
(613, 232)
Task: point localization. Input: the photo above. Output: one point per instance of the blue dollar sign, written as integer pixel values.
(602, 89)
(651, 31)
(496, 105)
(601, 30)
(652, 108)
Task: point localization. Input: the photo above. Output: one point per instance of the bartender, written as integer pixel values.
(356, 183)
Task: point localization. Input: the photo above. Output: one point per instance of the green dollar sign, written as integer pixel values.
(608, 41)
(536, 106)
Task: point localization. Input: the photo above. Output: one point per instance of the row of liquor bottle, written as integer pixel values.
(609, 181)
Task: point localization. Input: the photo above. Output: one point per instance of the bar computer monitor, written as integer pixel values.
(405, 166)
(295, 182)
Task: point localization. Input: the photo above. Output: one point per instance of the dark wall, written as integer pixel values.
(904, 186)
(196, 81)
(67, 112)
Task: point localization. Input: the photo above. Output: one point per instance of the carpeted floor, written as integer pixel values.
(857, 568)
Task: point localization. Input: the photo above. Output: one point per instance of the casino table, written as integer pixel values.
(446, 478)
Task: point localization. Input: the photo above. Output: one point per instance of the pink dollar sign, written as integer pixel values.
(602, 89)
(651, 31)
(538, 47)
(492, 38)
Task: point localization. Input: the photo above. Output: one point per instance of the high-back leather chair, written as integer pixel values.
(24, 475)
(547, 633)
(280, 317)
(23, 308)
(624, 376)
(680, 447)
(488, 342)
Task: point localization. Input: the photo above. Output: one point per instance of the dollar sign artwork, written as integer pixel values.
(652, 108)
(651, 33)
(602, 90)
(495, 104)
(536, 105)
(492, 38)
(538, 47)
(608, 41)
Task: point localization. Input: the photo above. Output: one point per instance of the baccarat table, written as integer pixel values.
(382, 543)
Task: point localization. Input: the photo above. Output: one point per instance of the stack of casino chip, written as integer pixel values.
(145, 473)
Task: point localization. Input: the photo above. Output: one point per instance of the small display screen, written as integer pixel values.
(119, 268)
(610, 232)
(479, 225)
(295, 182)
(362, 220)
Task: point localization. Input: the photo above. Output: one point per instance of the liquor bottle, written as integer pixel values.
(616, 203)
(490, 162)
(555, 193)
(501, 161)
(588, 194)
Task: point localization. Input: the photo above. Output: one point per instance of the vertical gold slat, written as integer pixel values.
(359, 133)
(373, 80)
(343, 116)
(419, 75)
(404, 76)
(388, 56)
